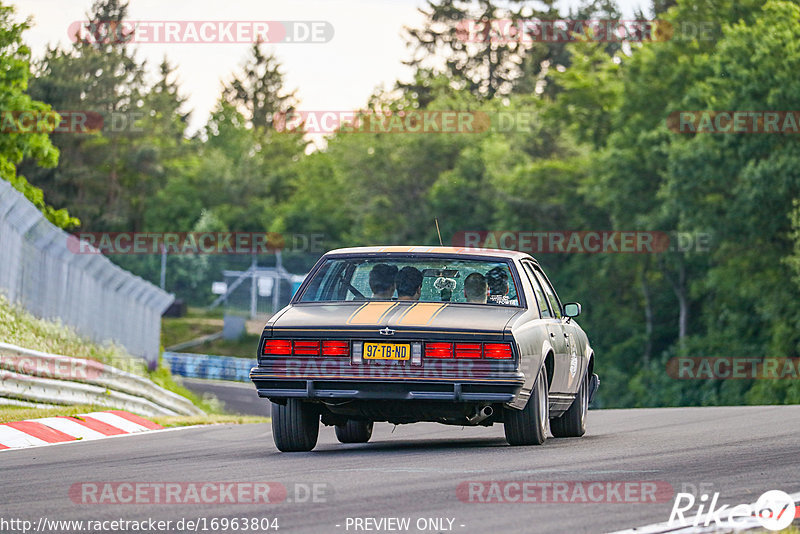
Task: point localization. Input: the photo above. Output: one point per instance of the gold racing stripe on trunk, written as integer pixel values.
(421, 314)
(371, 313)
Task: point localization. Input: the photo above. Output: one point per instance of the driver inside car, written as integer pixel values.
(381, 281)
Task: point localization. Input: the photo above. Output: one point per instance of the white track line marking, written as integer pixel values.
(72, 428)
(117, 421)
(148, 433)
(13, 438)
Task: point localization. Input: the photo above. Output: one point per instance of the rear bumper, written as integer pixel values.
(330, 389)
(497, 385)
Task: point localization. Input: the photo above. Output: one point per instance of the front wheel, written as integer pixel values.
(529, 425)
(572, 423)
(354, 431)
(295, 426)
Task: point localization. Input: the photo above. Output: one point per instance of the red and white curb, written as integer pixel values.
(62, 429)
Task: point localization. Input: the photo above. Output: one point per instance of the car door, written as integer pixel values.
(552, 319)
(572, 365)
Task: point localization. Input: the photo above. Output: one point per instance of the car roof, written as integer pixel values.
(466, 251)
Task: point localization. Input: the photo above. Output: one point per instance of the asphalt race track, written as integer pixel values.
(414, 472)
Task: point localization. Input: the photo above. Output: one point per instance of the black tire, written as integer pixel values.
(572, 423)
(354, 431)
(529, 425)
(295, 426)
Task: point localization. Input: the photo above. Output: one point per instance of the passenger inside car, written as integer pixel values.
(475, 288)
(497, 279)
(382, 281)
(409, 283)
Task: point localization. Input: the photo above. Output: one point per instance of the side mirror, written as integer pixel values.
(572, 309)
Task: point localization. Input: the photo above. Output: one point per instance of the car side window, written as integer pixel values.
(551, 295)
(541, 301)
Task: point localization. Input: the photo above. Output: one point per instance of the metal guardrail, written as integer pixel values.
(36, 377)
(208, 366)
(55, 276)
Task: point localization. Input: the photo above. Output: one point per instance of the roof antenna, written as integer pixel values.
(436, 220)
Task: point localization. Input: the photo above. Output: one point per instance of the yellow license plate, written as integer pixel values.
(386, 351)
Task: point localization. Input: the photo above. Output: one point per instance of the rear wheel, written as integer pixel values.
(354, 431)
(572, 423)
(295, 426)
(529, 425)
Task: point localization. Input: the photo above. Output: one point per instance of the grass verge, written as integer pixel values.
(18, 327)
(21, 328)
(244, 347)
(169, 421)
(198, 323)
(10, 414)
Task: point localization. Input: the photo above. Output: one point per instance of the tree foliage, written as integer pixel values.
(16, 144)
(599, 154)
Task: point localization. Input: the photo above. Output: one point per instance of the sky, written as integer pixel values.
(366, 50)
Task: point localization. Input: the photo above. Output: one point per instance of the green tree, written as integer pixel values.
(259, 90)
(462, 34)
(16, 144)
(98, 74)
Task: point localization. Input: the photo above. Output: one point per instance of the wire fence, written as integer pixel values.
(42, 270)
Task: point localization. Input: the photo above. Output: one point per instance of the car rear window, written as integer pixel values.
(488, 282)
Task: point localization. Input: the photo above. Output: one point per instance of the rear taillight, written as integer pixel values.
(468, 350)
(305, 347)
(277, 347)
(438, 350)
(475, 351)
(497, 351)
(336, 348)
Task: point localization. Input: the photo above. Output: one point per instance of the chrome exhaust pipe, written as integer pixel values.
(480, 415)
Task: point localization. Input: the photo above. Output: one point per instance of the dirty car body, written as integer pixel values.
(353, 347)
